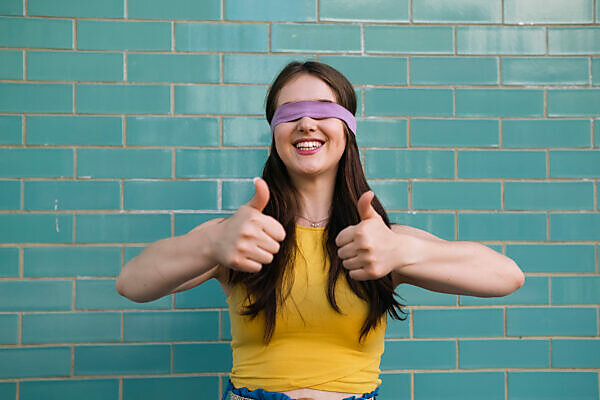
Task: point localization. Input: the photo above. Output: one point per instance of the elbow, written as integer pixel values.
(517, 279)
(123, 290)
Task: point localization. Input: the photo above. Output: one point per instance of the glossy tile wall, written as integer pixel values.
(126, 121)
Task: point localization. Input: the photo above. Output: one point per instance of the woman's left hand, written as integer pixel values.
(371, 250)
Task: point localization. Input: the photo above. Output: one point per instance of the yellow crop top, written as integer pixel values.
(322, 352)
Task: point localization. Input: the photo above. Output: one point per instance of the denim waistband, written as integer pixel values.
(261, 394)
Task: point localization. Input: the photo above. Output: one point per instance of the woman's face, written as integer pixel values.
(327, 132)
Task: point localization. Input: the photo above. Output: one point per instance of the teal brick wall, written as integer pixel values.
(126, 121)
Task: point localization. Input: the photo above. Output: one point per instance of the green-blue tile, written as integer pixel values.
(409, 39)
(440, 223)
(459, 385)
(257, 68)
(208, 295)
(123, 99)
(501, 164)
(74, 130)
(408, 101)
(366, 70)
(381, 132)
(456, 195)
(36, 228)
(501, 226)
(101, 294)
(575, 290)
(35, 295)
(11, 64)
(171, 387)
(236, 194)
(74, 66)
(501, 40)
(191, 68)
(131, 252)
(596, 70)
(574, 102)
(451, 11)
(453, 71)
(395, 386)
(117, 228)
(71, 261)
(8, 390)
(12, 7)
(551, 258)
(393, 195)
(454, 132)
(36, 97)
(553, 385)
(551, 321)
(9, 262)
(175, 9)
(576, 353)
(548, 12)
(225, 326)
(11, 129)
(185, 222)
(574, 226)
(533, 291)
(35, 362)
(218, 36)
(202, 357)
(546, 133)
(419, 354)
(447, 323)
(597, 133)
(34, 163)
(71, 327)
(409, 163)
(36, 32)
(71, 389)
(574, 163)
(270, 10)
(545, 71)
(124, 163)
(226, 163)
(503, 353)
(77, 8)
(9, 329)
(165, 326)
(246, 131)
(499, 102)
(72, 195)
(398, 328)
(169, 195)
(548, 195)
(218, 99)
(122, 359)
(316, 37)
(382, 10)
(10, 195)
(172, 131)
(123, 35)
(571, 40)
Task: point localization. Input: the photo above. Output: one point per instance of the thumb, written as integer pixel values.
(261, 195)
(365, 209)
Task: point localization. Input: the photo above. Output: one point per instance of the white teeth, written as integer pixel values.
(308, 145)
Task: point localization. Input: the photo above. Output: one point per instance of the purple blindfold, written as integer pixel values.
(314, 109)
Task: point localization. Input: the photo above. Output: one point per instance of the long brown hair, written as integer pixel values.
(267, 290)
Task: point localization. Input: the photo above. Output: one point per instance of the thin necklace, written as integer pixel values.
(314, 224)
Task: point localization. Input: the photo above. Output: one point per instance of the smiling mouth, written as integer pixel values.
(308, 145)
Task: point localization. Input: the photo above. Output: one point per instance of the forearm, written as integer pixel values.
(460, 267)
(166, 264)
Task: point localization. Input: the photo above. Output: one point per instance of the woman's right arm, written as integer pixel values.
(171, 264)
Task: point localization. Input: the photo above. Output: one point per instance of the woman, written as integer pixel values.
(311, 262)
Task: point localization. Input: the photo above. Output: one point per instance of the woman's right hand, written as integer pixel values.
(249, 238)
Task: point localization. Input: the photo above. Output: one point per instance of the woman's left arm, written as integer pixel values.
(456, 267)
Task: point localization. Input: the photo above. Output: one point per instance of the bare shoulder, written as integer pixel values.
(410, 230)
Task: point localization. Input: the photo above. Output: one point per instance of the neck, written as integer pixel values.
(315, 199)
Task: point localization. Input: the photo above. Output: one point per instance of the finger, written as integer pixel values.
(347, 251)
(360, 275)
(352, 263)
(267, 243)
(247, 265)
(260, 255)
(261, 195)
(345, 236)
(273, 228)
(365, 209)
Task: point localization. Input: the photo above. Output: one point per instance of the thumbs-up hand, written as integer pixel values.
(368, 249)
(249, 238)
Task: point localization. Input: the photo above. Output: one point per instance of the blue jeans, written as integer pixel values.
(261, 394)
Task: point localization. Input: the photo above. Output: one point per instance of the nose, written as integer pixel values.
(306, 124)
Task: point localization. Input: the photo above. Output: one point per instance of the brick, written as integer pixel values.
(74, 130)
(35, 362)
(501, 164)
(408, 101)
(534, 291)
(124, 163)
(454, 132)
(504, 353)
(36, 228)
(548, 12)
(552, 384)
(545, 133)
(170, 387)
(72, 195)
(576, 290)
(271, 10)
(500, 40)
(202, 357)
(560, 71)
(36, 98)
(11, 64)
(315, 37)
(462, 11)
(71, 328)
(221, 37)
(501, 226)
(71, 389)
(36, 295)
(172, 131)
(386, 10)
(11, 129)
(553, 257)
(218, 99)
(226, 163)
(193, 68)
(118, 228)
(101, 294)
(409, 39)
(419, 354)
(571, 40)
(574, 102)
(548, 195)
(551, 321)
(176, 9)
(71, 261)
(389, 163)
(74, 66)
(123, 35)
(36, 32)
(122, 359)
(9, 262)
(10, 195)
(456, 195)
(170, 326)
(459, 385)
(446, 323)
(77, 8)
(123, 99)
(366, 70)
